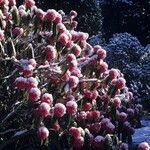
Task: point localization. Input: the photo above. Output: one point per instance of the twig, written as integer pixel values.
(8, 131)
(87, 61)
(9, 76)
(89, 80)
(11, 113)
(15, 138)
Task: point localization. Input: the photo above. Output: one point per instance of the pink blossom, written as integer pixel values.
(43, 109)
(50, 52)
(32, 82)
(73, 81)
(120, 83)
(75, 132)
(17, 31)
(113, 74)
(51, 15)
(76, 49)
(59, 110)
(34, 94)
(29, 3)
(43, 133)
(116, 102)
(78, 142)
(48, 98)
(71, 107)
(73, 14)
(103, 67)
(20, 82)
(143, 146)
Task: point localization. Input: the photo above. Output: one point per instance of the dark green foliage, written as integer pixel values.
(130, 16)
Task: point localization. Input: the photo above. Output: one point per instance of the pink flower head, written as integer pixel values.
(87, 106)
(43, 109)
(73, 14)
(20, 82)
(66, 76)
(48, 98)
(58, 19)
(4, 2)
(89, 116)
(71, 57)
(82, 36)
(76, 49)
(103, 67)
(31, 82)
(63, 39)
(97, 48)
(17, 31)
(101, 53)
(34, 94)
(43, 133)
(29, 3)
(113, 74)
(143, 146)
(71, 107)
(50, 52)
(78, 142)
(12, 2)
(83, 44)
(116, 102)
(28, 70)
(60, 28)
(82, 116)
(51, 15)
(96, 114)
(59, 110)
(56, 126)
(1, 35)
(32, 62)
(22, 12)
(40, 14)
(75, 132)
(73, 81)
(120, 83)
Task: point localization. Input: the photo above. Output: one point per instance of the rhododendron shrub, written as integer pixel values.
(60, 91)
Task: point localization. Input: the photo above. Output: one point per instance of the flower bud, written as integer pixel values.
(116, 102)
(43, 133)
(43, 110)
(29, 3)
(31, 82)
(143, 146)
(48, 98)
(73, 14)
(73, 81)
(50, 15)
(59, 110)
(34, 94)
(75, 132)
(17, 31)
(20, 82)
(71, 107)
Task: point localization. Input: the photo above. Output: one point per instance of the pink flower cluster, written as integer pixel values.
(67, 84)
